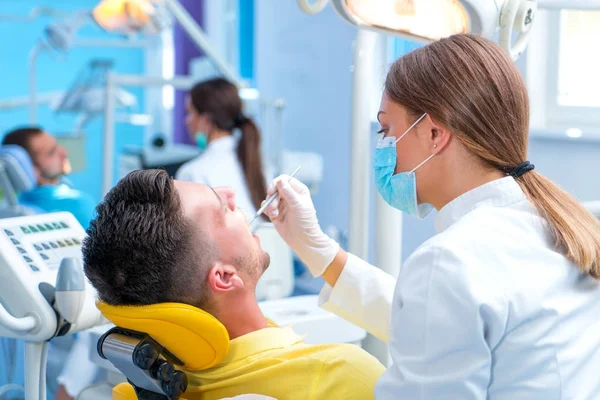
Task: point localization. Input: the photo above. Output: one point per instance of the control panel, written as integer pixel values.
(43, 245)
(31, 250)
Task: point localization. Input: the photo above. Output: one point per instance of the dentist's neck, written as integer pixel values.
(217, 134)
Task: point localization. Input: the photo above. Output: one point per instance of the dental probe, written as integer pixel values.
(269, 200)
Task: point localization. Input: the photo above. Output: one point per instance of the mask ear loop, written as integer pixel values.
(419, 166)
(412, 126)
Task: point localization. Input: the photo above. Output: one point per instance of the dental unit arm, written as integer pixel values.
(43, 290)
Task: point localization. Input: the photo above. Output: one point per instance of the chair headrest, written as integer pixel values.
(19, 167)
(194, 336)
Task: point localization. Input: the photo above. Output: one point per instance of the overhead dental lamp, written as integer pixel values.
(130, 16)
(145, 17)
(124, 17)
(429, 20)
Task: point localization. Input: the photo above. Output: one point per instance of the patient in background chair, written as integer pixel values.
(157, 240)
(50, 163)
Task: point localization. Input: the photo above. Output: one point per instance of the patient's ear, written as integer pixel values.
(224, 278)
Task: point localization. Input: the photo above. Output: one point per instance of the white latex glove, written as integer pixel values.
(293, 215)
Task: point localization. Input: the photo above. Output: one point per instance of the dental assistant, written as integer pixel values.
(214, 115)
(504, 302)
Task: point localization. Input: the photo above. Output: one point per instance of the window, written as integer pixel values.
(578, 59)
(560, 67)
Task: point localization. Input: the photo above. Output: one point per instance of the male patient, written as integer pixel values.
(50, 163)
(157, 240)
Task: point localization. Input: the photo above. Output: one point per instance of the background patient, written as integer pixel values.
(50, 163)
(158, 240)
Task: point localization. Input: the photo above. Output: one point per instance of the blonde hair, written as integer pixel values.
(469, 85)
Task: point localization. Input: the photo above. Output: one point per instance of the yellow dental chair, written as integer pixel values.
(151, 345)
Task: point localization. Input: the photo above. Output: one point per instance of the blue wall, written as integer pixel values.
(306, 60)
(246, 39)
(57, 73)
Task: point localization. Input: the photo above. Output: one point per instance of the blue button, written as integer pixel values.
(22, 250)
(38, 247)
(34, 268)
(27, 259)
(53, 245)
(56, 225)
(14, 241)
(64, 225)
(46, 247)
(44, 256)
(8, 233)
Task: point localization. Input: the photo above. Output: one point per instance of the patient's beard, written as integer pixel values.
(254, 265)
(260, 264)
(50, 176)
(265, 261)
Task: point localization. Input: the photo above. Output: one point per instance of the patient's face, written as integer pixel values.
(214, 212)
(48, 157)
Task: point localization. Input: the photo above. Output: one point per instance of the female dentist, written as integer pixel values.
(504, 302)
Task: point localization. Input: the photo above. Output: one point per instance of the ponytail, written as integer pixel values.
(576, 230)
(248, 152)
(220, 100)
(468, 84)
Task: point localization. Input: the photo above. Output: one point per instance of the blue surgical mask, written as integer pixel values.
(400, 190)
(201, 140)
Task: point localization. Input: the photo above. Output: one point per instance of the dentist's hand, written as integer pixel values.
(295, 218)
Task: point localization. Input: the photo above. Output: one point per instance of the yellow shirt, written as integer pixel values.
(275, 362)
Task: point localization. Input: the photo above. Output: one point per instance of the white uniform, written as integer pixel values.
(218, 165)
(487, 309)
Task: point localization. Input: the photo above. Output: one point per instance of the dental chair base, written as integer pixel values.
(152, 375)
(195, 340)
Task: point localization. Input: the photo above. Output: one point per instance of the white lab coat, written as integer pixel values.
(218, 165)
(486, 309)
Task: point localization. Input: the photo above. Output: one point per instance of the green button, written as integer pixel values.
(49, 227)
(56, 225)
(25, 230)
(64, 225)
(33, 229)
(41, 227)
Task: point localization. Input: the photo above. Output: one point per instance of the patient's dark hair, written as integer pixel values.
(22, 136)
(141, 249)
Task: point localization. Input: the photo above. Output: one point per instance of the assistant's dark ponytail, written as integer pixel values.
(219, 99)
(248, 152)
